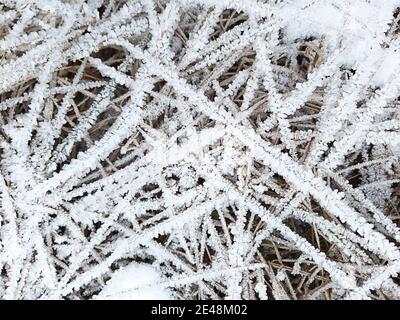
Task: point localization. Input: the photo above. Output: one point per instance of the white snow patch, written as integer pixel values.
(344, 25)
(135, 282)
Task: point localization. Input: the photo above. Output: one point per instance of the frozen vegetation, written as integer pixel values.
(199, 149)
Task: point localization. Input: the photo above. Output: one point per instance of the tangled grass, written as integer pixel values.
(243, 149)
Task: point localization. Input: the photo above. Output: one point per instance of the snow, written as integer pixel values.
(345, 24)
(199, 149)
(129, 283)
